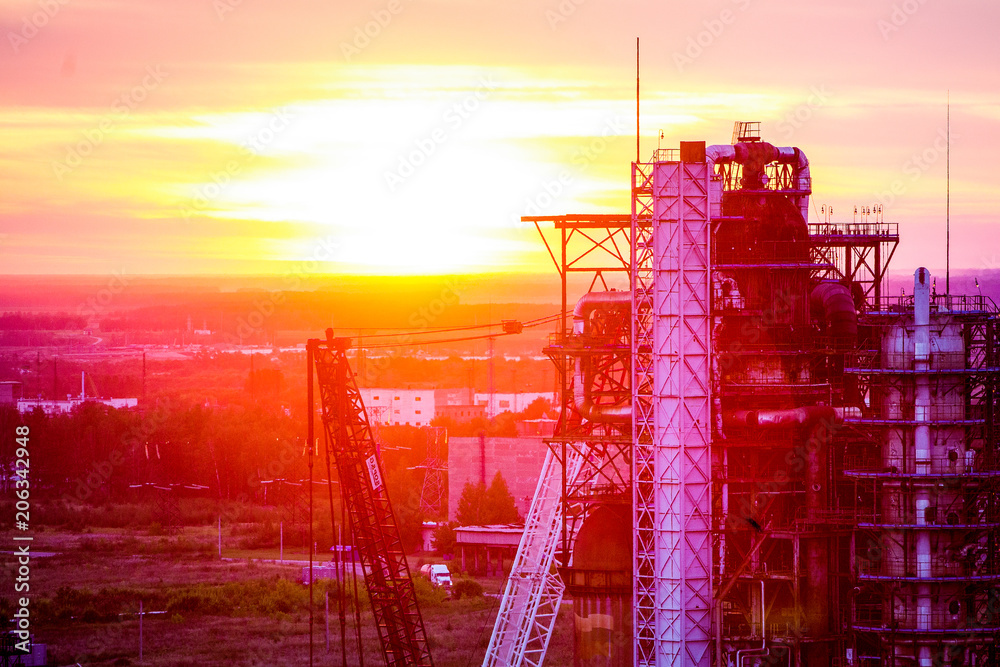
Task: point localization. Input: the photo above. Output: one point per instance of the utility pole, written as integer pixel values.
(492, 389)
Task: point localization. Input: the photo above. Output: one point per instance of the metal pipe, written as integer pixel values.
(591, 301)
(782, 154)
(583, 379)
(922, 444)
(785, 418)
(832, 303)
(756, 652)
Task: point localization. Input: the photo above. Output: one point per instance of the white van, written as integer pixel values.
(438, 574)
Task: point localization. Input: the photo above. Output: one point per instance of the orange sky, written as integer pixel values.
(244, 136)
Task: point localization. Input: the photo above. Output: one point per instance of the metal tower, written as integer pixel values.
(432, 493)
(589, 456)
(672, 422)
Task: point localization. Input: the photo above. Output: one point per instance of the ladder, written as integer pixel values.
(534, 590)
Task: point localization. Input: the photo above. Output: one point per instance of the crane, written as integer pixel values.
(366, 499)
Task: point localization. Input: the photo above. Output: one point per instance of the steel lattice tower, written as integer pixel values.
(671, 351)
(432, 493)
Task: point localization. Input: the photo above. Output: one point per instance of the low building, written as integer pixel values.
(51, 407)
(487, 550)
(10, 392)
(543, 427)
(461, 413)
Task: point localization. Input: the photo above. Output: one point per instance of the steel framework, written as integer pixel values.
(927, 521)
(587, 462)
(672, 426)
(534, 590)
(432, 493)
(350, 443)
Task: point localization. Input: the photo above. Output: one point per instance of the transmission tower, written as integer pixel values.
(432, 495)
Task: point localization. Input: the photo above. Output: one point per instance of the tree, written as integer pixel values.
(444, 539)
(470, 504)
(499, 503)
(480, 506)
(537, 409)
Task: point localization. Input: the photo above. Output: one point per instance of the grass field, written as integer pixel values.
(204, 610)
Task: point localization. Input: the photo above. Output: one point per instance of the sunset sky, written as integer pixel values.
(409, 136)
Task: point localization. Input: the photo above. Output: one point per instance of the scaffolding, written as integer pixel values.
(927, 516)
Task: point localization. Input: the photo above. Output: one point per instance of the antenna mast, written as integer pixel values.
(947, 213)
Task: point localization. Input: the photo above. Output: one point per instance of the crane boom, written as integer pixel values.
(363, 491)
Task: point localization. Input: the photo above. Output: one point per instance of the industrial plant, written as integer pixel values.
(762, 457)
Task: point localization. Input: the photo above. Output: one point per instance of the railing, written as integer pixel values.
(943, 303)
(972, 567)
(770, 253)
(945, 517)
(876, 616)
(888, 361)
(953, 462)
(905, 414)
(889, 230)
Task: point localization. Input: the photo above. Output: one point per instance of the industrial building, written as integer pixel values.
(762, 458)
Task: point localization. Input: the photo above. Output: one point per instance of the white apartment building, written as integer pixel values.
(417, 407)
(399, 407)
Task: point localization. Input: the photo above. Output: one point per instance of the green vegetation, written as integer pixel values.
(480, 505)
(206, 611)
(467, 588)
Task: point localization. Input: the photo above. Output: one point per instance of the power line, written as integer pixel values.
(525, 325)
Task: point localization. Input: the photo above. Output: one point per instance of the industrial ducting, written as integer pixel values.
(832, 306)
(757, 154)
(583, 377)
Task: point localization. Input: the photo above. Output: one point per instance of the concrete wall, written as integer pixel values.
(519, 460)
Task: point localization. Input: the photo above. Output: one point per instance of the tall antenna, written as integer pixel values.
(637, 100)
(947, 206)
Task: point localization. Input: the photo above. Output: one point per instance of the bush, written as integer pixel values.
(428, 595)
(469, 588)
